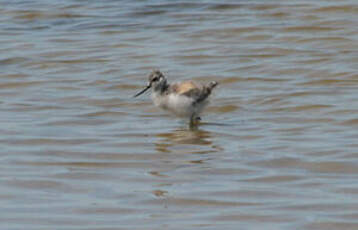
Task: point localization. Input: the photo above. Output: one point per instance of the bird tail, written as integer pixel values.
(212, 85)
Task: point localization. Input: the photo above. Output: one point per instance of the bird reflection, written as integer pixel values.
(195, 137)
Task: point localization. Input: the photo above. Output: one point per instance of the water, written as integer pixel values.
(277, 148)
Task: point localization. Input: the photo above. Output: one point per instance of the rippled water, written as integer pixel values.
(277, 148)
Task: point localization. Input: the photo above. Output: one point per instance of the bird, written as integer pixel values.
(184, 99)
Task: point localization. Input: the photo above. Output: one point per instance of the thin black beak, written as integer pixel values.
(145, 89)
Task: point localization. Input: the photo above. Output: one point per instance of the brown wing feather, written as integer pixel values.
(200, 94)
(190, 89)
(182, 88)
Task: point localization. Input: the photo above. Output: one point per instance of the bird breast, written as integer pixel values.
(178, 104)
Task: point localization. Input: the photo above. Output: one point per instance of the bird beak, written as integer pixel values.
(141, 92)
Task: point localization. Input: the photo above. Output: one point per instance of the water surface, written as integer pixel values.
(277, 148)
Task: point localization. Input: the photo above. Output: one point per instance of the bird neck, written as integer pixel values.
(162, 87)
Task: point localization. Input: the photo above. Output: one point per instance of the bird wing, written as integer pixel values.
(193, 90)
(183, 87)
(202, 93)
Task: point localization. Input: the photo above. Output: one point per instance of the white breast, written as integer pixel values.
(178, 104)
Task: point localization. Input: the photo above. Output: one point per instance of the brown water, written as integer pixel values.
(278, 147)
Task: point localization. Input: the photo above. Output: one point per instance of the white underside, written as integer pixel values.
(179, 105)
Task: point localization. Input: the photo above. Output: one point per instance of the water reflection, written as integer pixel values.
(195, 136)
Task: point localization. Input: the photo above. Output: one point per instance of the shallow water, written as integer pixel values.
(277, 148)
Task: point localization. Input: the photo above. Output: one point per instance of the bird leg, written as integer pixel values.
(194, 120)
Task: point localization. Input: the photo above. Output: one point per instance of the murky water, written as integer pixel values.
(278, 147)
